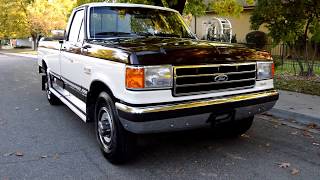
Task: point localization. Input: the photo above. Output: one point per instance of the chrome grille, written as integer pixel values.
(211, 78)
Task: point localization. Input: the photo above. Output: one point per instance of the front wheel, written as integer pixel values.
(115, 142)
(242, 126)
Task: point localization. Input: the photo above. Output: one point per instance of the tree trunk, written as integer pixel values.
(300, 63)
(35, 41)
(158, 3)
(297, 58)
(179, 6)
(306, 54)
(311, 65)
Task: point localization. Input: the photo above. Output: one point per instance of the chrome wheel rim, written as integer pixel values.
(105, 128)
(48, 94)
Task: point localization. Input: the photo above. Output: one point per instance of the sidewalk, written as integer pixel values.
(297, 106)
(29, 53)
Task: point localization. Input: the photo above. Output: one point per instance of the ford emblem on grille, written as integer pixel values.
(221, 78)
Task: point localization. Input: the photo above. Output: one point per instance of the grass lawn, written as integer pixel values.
(287, 78)
(290, 82)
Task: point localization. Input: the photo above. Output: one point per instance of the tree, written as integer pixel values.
(44, 16)
(32, 18)
(194, 7)
(291, 22)
(12, 18)
(227, 8)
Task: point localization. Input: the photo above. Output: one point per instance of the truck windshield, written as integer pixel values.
(106, 22)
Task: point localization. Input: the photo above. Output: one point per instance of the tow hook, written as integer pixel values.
(217, 119)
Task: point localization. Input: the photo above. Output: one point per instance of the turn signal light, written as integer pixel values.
(135, 77)
(272, 70)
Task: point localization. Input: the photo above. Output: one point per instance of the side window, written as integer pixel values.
(75, 26)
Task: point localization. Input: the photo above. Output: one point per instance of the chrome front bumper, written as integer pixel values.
(193, 114)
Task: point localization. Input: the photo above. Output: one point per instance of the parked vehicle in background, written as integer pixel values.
(138, 69)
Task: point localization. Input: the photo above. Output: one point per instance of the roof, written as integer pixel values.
(127, 5)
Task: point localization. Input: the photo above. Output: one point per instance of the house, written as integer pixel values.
(21, 43)
(240, 25)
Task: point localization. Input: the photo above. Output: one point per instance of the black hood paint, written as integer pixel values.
(174, 51)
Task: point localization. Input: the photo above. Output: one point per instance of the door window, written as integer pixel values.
(76, 26)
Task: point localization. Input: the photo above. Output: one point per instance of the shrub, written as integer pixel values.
(234, 39)
(277, 61)
(256, 39)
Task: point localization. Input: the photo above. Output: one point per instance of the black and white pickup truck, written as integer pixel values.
(137, 69)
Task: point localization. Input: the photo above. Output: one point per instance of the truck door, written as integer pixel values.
(71, 66)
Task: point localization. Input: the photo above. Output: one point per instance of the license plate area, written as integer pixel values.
(221, 118)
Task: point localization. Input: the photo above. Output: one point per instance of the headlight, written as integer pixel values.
(265, 70)
(149, 77)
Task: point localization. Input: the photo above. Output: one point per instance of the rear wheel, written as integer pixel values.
(53, 99)
(115, 142)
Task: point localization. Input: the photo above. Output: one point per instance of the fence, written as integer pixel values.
(283, 51)
(279, 50)
(291, 66)
(285, 61)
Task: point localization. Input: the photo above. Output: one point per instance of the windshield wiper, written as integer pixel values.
(114, 33)
(167, 35)
(147, 34)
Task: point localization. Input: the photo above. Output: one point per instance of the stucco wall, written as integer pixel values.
(240, 25)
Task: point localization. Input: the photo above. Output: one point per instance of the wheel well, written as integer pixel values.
(44, 66)
(96, 88)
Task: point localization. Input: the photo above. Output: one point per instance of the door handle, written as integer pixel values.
(71, 60)
(84, 49)
(86, 46)
(87, 70)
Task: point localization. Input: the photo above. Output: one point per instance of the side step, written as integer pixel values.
(70, 104)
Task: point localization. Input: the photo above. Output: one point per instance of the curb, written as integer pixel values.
(289, 115)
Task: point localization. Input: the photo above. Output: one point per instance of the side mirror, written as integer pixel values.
(58, 35)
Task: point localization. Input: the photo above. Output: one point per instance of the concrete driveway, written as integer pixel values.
(40, 141)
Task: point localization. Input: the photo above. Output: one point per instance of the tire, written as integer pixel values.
(53, 99)
(234, 128)
(115, 142)
(242, 126)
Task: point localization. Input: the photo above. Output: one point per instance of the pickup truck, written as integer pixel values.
(138, 69)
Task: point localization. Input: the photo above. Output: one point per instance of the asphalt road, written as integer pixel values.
(40, 141)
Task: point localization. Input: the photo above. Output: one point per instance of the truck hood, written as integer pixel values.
(177, 51)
